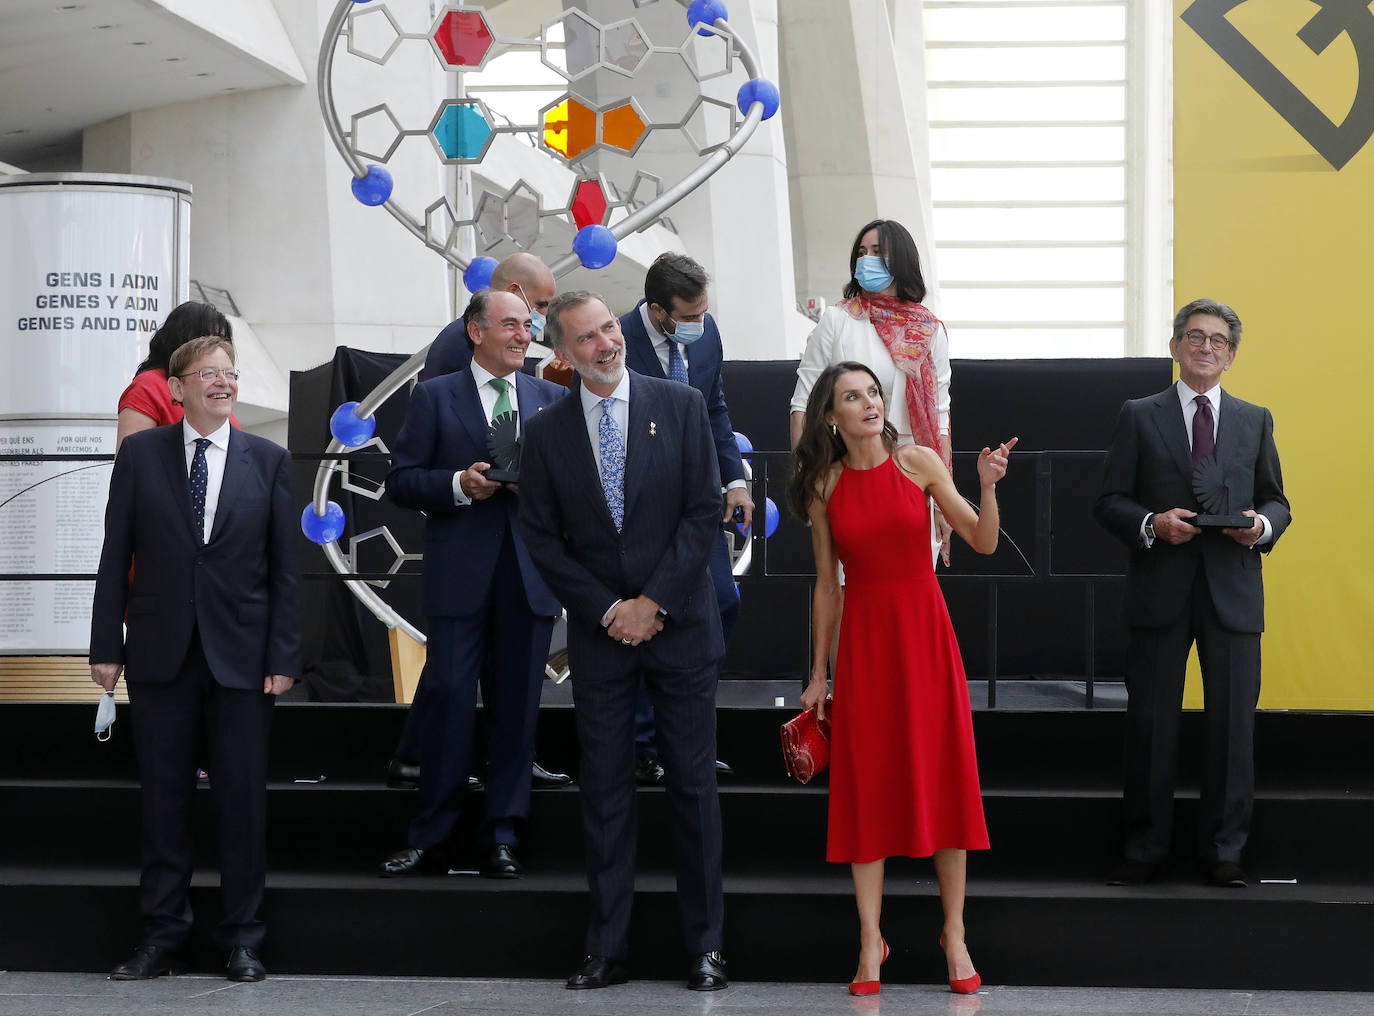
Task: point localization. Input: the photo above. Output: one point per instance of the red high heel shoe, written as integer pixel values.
(965, 985)
(869, 987)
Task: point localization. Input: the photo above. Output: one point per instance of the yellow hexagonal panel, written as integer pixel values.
(570, 128)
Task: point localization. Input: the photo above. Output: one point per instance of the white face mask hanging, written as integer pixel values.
(105, 717)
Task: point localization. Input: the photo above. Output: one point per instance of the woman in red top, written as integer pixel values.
(147, 402)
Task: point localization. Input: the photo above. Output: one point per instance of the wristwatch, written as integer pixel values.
(1150, 528)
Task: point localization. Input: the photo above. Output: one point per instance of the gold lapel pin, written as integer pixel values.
(653, 429)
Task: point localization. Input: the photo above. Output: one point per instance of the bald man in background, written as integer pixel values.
(522, 274)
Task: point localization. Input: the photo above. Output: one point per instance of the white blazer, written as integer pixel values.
(839, 336)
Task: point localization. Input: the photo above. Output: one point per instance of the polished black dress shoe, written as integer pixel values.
(499, 862)
(724, 768)
(402, 775)
(598, 972)
(707, 972)
(149, 961)
(1133, 873)
(649, 772)
(1226, 874)
(410, 861)
(544, 778)
(244, 965)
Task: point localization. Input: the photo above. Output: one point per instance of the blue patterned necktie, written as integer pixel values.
(612, 448)
(200, 478)
(677, 366)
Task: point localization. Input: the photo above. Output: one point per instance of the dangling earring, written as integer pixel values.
(834, 432)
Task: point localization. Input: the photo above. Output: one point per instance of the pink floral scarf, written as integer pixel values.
(907, 330)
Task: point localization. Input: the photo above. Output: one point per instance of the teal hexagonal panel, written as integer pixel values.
(462, 130)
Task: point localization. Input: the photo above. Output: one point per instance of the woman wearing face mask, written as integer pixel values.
(882, 324)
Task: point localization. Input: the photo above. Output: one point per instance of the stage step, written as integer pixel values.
(793, 929)
(1038, 912)
(348, 828)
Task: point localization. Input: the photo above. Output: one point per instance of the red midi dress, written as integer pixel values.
(903, 771)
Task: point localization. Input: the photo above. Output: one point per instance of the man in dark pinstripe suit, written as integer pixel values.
(620, 501)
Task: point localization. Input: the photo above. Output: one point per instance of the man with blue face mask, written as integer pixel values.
(521, 273)
(670, 334)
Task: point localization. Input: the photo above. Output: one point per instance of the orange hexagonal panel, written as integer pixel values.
(622, 127)
(570, 128)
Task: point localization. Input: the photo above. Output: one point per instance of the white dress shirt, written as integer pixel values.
(216, 452)
(1187, 399)
(488, 396)
(661, 343)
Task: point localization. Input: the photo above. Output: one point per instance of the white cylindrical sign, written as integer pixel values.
(90, 266)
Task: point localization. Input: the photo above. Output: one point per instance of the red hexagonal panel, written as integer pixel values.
(463, 37)
(589, 204)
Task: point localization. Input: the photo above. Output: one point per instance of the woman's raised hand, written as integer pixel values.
(992, 465)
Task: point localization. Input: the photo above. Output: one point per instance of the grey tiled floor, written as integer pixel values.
(41, 994)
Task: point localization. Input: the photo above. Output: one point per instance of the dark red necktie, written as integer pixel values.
(1204, 431)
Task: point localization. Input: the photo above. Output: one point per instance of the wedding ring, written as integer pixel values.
(625, 642)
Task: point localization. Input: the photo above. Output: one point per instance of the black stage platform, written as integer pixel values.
(1038, 911)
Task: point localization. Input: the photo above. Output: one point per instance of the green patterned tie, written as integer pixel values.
(503, 405)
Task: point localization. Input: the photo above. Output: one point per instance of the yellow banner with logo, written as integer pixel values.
(1274, 215)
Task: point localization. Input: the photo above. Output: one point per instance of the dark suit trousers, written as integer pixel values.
(502, 648)
(685, 705)
(179, 725)
(1155, 672)
(727, 602)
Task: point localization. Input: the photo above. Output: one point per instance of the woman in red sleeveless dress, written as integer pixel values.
(903, 773)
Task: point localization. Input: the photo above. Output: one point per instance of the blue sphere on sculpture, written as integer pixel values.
(595, 246)
(477, 275)
(374, 188)
(771, 517)
(759, 90)
(324, 528)
(744, 445)
(708, 11)
(350, 429)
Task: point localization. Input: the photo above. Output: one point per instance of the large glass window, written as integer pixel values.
(1048, 174)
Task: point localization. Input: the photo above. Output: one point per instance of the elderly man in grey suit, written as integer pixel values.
(1188, 584)
(620, 502)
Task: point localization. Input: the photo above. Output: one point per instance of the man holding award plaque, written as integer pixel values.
(489, 615)
(1193, 487)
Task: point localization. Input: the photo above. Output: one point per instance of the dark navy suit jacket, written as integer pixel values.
(241, 589)
(448, 353)
(445, 431)
(703, 373)
(672, 515)
(1150, 468)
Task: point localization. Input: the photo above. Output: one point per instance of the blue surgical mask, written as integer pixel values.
(688, 331)
(537, 322)
(870, 271)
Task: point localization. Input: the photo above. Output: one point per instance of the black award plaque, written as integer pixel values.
(503, 449)
(1214, 498)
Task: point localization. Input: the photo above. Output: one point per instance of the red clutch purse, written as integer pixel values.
(806, 744)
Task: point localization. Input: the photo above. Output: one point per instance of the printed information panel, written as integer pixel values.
(52, 518)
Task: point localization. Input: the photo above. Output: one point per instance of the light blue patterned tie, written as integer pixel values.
(677, 366)
(200, 478)
(612, 447)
